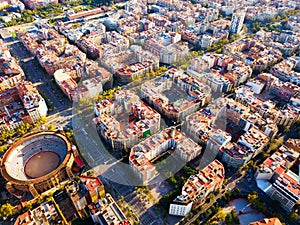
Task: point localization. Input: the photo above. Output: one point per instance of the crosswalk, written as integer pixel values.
(146, 215)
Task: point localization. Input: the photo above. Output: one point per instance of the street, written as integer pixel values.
(145, 213)
(38, 76)
(91, 147)
(60, 111)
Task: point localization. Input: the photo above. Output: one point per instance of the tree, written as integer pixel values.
(287, 128)
(42, 120)
(3, 148)
(293, 216)
(51, 127)
(6, 210)
(77, 178)
(7, 134)
(252, 198)
(23, 129)
(39, 200)
(90, 172)
(212, 197)
(245, 29)
(189, 171)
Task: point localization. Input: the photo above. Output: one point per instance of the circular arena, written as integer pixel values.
(37, 163)
(41, 164)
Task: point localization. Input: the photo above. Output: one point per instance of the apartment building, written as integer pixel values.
(286, 190)
(197, 188)
(95, 188)
(285, 71)
(255, 139)
(286, 41)
(237, 22)
(93, 78)
(267, 221)
(107, 212)
(201, 125)
(70, 58)
(217, 141)
(285, 116)
(126, 120)
(176, 95)
(91, 31)
(284, 90)
(236, 154)
(167, 54)
(220, 72)
(66, 84)
(253, 53)
(275, 165)
(21, 104)
(170, 140)
(88, 47)
(11, 74)
(46, 38)
(275, 178)
(31, 4)
(130, 64)
(46, 213)
(294, 144)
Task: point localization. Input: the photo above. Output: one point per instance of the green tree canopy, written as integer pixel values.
(6, 210)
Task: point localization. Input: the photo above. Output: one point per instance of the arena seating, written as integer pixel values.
(19, 157)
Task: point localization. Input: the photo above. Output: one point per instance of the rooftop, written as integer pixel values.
(175, 92)
(169, 139)
(43, 214)
(280, 161)
(267, 221)
(200, 185)
(16, 102)
(115, 119)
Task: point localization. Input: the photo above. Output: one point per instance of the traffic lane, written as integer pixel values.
(111, 176)
(146, 215)
(87, 137)
(35, 73)
(61, 118)
(89, 147)
(17, 49)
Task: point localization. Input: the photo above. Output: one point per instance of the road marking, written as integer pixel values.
(90, 156)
